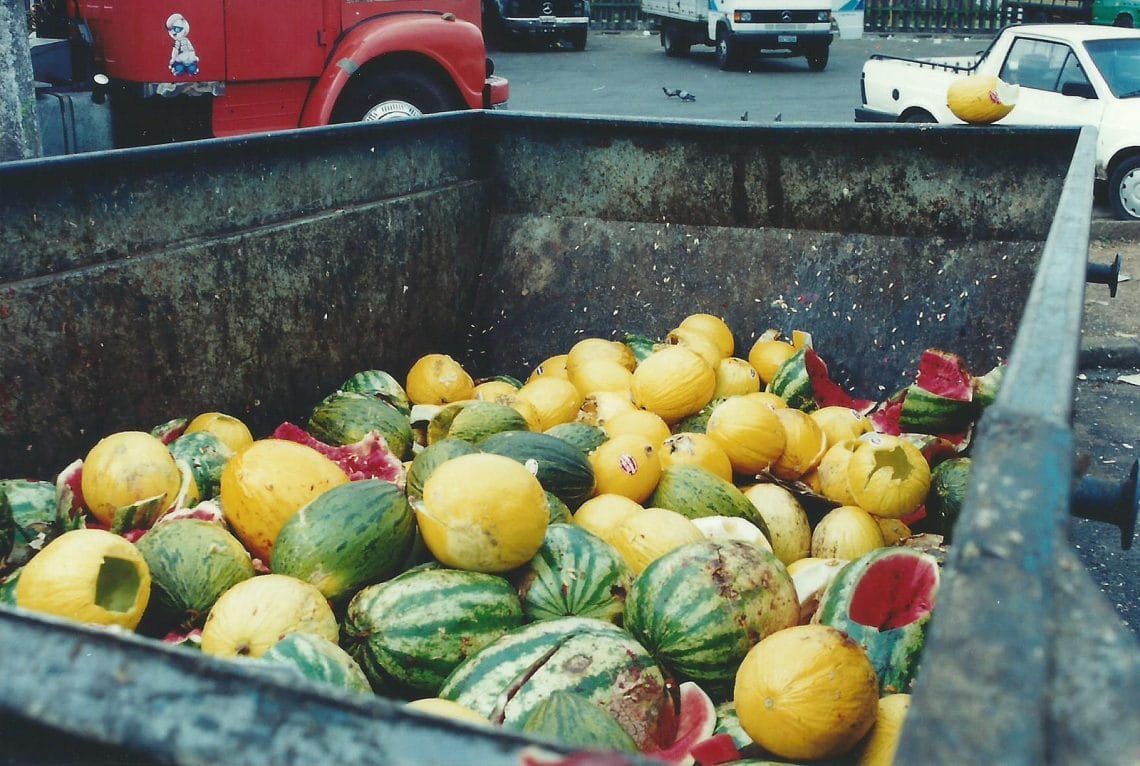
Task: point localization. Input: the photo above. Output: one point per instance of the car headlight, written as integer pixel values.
(824, 16)
(742, 16)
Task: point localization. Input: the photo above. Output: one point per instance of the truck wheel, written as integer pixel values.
(817, 58)
(674, 42)
(1123, 20)
(918, 115)
(577, 39)
(728, 50)
(390, 95)
(1124, 190)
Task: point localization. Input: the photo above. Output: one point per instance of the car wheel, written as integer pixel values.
(1123, 20)
(728, 50)
(1124, 190)
(674, 42)
(373, 96)
(817, 58)
(918, 115)
(577, 39)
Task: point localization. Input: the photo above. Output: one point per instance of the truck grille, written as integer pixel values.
(535, 8)
(784, 17)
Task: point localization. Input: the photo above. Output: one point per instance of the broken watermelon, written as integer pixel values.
(883, 601)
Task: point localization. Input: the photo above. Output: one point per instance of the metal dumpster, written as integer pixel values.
(253, 275)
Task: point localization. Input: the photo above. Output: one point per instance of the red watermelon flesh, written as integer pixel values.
(894, 592)
(943, 373)
(369, 458)
(827, 392)
(696, 722)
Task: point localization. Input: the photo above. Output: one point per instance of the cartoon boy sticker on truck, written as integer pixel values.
(183, 59)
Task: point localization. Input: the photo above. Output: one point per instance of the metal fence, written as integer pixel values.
(881, 16)
(935, 16)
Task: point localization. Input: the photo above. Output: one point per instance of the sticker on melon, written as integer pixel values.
(883, 601)
(804, 383)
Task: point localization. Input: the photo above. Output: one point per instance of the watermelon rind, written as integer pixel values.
(409, 633)
(701, 607)
(895, 652)
(929, 413)
(36, 519)
(318, 659)
(593, 658)
(473, 421)
(206, 455)
(347, 537)
(583, 436)
(572, 720)
(574, 573)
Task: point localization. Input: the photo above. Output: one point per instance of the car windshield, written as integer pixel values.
(1119, 64)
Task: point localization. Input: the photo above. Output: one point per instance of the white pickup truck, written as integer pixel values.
(1069, 74)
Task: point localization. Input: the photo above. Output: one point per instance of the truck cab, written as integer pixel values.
(202, 68)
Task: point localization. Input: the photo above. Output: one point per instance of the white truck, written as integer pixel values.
(1068, 74)
(743, 29)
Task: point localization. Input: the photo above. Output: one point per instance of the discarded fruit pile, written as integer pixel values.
(650, 546)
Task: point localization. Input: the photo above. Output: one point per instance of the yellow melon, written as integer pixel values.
(674, 382)
(602, 514)
(749, 432)
(735, 376)
(252, 616)
(806, 692)
(840, 423)
(697, 449)
(805, 444)
(888, 475)
(626, 465)
(445, 708)
(846, 532)
(87, 575)
(789, 529)
(230, 431)
(882, 743)
(555, 400)
(438, 379)
(601, 375)
(981, 99)
(640, 422)
(126, 468)
(767, 354)
(599, 406)
(695, 341)
(713, 327)
(482, 512)
(554, 366)
(644, 537)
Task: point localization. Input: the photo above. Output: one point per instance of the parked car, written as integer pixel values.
(549, 21)
(1069, 74)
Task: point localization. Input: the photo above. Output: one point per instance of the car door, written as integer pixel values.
(1046, 71)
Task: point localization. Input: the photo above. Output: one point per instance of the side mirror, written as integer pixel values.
(1079, 89)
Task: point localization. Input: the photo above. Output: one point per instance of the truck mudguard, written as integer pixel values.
(432, 36)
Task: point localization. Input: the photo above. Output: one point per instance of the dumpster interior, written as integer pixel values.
(254, 275)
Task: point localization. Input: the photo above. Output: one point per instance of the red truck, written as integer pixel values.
(196, 68)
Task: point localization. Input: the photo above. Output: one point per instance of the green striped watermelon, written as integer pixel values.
(559, 512)
(574, 573)
(36, 518)
(804, 383)
(379, 385)
(571, 719)
(410, 632)
(350, 536)
(474, 421)
(696, 492)
(581, 435)
(698, 422)
(701, 607)
(318, 659)
(925, 412)
(986, 386)
(641, 345)
(559, 467)
(346, 417)
(883, 601)
(191, 562)
(8, 587)
(596, 659)
(948, 484)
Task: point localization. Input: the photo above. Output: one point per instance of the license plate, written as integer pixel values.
(785, 38)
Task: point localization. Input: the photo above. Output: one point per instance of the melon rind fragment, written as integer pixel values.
(895, 644)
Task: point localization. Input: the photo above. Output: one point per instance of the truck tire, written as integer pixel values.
(729, 50)
(393, 94)
(917, 115)
(1124, 189)
(577, 39)
(817, 57)
(1123, 20)
(674, 41)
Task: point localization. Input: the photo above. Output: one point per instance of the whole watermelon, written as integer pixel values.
(574, 573)
(410, 632)
(701, 607)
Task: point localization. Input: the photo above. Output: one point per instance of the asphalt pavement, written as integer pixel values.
(627, 74)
